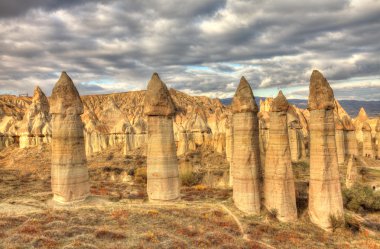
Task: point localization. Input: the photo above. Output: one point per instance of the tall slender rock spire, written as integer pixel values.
(377, 129)
(279, 189)
(340, 141)
(69, 174)
(162, 172)
(367, 140)
(35, 127)
(245, 151)
(351, 143)
(325, 197)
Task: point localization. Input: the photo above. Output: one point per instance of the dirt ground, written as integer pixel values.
(118, 215)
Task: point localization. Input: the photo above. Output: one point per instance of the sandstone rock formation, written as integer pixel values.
(325, 197)
(245, 152)
(352, 172)
(377, 129)
(162, 171)
(279, 189)
(358, 122)
(340, 142)
(351, 143)
(35, 127)
(367, 140)
(69, 174)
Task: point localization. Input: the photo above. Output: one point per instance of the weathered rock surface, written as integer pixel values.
(162, 171)
(69, 174)
(377, 129)
(325, 197)
(352, 172)
(245, 151)
(351, 143)
(340, 141)
(35, 127)
(368, 150)
(279, 189)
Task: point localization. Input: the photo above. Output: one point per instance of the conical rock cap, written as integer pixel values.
(362, 115)
(377, 129)
(280, 103)
(157, 99)
(65, 98)
(321, 95)
(366, 127)
(40, 100)
(347, 123)
(338, 124)
(244, 100)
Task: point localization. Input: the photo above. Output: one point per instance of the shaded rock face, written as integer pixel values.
(368, 150)
(245, 151)
(340, 140)
(35, 127)
(279, 189)
(325, 197)
(162, 165)
(69, 174)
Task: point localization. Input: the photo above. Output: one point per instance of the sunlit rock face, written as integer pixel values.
(325, 197)
(352, 172)
(279, 189)
(377, 129)
(351, 143)
(162, 171)
(69, 174)
(35, 127)
(246, 151)
(368, 150)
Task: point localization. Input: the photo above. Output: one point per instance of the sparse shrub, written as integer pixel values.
(131, 172)
(361, 198)
(105, 234)
(141, 174)
(109, 157)
(352, 224)
(336, 222)
(301, 164)
(190, 179)
(273, 214)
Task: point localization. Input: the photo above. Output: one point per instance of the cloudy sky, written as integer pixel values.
(201, 47)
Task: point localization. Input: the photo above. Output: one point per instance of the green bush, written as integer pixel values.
(336, 222)
(273, 214)
(190, 179)
(141, 174)
(361, 198)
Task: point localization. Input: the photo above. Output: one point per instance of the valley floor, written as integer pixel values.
(117, 214)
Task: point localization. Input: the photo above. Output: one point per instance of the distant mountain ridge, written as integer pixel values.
(352, 107)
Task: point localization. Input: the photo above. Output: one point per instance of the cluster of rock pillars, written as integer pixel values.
(70, 179)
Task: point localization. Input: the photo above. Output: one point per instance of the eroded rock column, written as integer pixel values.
(325, 197)
(162, 172)
(351, 143)
(69, 174)
(339, 140)
(279, 190)
(245, 152)
(378, 139)
(367, 140)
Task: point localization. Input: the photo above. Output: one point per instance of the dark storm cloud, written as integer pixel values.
(201, 46)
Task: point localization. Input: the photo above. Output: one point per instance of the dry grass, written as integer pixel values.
(195, 222)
